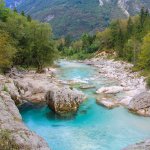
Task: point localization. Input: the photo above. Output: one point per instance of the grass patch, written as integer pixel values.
(5, 88)
(6, 142)
(145, 73)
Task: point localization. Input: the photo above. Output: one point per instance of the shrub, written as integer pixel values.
(5, 88)
(148, 82)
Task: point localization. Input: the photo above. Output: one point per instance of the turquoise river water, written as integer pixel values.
(93, 127)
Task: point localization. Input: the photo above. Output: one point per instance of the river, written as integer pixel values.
(93, 127)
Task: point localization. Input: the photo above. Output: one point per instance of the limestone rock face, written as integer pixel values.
(11, 121)
(64, 100)
(7, 85)
(33, 87)
(145, 145)
(140, 104)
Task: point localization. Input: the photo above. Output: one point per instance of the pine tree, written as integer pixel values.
(142, 17)
(120, 43)
(129, 27)
(22, 13)
(15, 10)
(146, 12)
(29, 18)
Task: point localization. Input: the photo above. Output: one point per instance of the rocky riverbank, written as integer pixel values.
(16, 88)
(129, 82)
(19, 87)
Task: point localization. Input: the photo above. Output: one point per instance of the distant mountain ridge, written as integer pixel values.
(13, 3)
(74, 17)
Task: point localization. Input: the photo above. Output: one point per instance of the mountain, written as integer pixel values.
(74, 17)
(13, 3)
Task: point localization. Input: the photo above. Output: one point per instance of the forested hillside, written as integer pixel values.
(73, 17)
(24, 42)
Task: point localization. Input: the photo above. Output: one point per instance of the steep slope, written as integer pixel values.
(77, 16)
(13, 3)
(73, 16)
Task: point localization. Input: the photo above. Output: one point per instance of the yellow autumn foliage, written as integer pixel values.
(6, 50)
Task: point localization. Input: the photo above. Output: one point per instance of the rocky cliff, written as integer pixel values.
(13, 129)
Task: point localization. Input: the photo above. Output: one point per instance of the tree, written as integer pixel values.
(142, 17)
(131, 50)
(144, 57)
(22, 13)
(67, 40)
(29, 18)
(114, 27)
(77, 45)
(120, 43)
(15, 10)
(85, 40)
(7, 50)
(129, 27)
(32, 45)
(4, 12)
(104, 39)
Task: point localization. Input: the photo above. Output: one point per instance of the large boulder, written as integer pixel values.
(145, 145)
(64, 100)
(140, 104)
(33, 87)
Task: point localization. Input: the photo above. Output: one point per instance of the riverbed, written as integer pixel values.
(93, 127)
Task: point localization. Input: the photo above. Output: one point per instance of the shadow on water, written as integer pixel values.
(53, 116)
(30, 106)
(48, 113)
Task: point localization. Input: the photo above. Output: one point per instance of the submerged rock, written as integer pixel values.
(109, 103)
(87, 86)
(64, 100)
(145, 145)
(140, 104)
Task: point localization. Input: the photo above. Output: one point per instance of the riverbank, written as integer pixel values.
(131, 83)
(17, 88)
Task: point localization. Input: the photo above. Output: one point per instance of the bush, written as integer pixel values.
(5, 88)
(148, 82)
